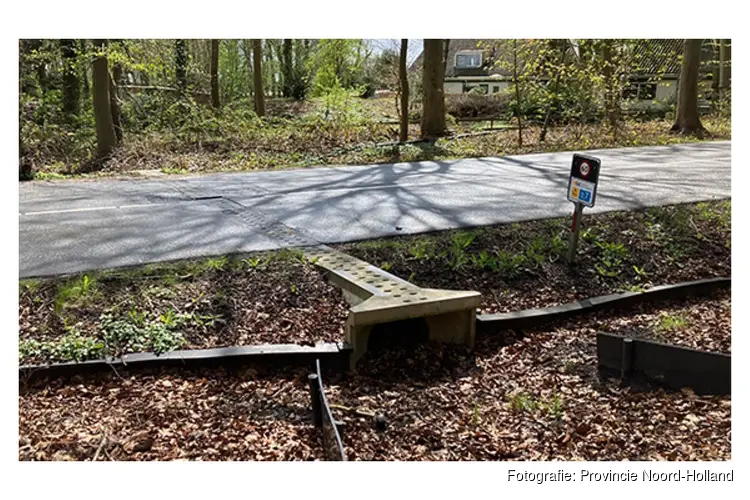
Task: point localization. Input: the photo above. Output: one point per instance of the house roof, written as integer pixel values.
(657, 56)
(649, 56)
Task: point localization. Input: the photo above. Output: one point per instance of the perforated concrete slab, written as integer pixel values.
(378, 297)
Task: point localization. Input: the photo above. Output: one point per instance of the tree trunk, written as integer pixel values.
(611, 96)
(180, 60)
(553, 102)
(105, 131)
(215, 100)
(70, 76)
(725, 65)
(446, 49)
(687, 120)
(518, 92)
(404, 81)
(433, 99)
(287, 68)
(260, 102)
(114, 100)
(86, 86)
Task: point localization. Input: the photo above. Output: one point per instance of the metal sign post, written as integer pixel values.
(584, 178)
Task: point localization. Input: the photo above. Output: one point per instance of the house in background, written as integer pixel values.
(485, 66)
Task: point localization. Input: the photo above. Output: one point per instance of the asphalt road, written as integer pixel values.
(71, 226)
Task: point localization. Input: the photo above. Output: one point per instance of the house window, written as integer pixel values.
(481, 89)
(630, 91)
(647, 91)
(495, 89)
(469, 60)
(644, 91)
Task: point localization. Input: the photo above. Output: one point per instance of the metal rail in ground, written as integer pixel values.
(330, 429)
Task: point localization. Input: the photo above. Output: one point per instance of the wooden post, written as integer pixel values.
(575, 230)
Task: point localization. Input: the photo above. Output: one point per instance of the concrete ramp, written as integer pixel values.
(378, 297)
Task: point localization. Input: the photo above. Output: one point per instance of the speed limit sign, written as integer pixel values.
(582, 184)
(585, 169)
(584, 177)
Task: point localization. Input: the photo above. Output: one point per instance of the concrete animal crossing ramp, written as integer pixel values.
(380, 298)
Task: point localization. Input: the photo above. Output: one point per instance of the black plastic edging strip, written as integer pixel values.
(530, 318)
(674, 365)
(329, 416)
(336, 354)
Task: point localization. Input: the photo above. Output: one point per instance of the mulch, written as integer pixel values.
(533, 395)
(708, 323)
(169, 415)
(444, 404)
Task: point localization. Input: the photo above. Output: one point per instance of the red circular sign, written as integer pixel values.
(585, 169)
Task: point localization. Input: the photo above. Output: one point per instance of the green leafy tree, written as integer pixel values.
(181, 62)
(339, 63)
(70, 76)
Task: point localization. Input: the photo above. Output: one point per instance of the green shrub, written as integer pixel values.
(510, 265)
(471, 105)
(122, 335)
(460, 241)
(71, 347)
(612, 256)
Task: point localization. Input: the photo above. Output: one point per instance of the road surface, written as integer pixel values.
(71, 226)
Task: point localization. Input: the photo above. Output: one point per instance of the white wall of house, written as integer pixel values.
(453, 87)
(666, 90)
(494, 86)
(498, 87)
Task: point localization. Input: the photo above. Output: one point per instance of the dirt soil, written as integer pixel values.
(282, 300)
(618, 251)
(533, 395)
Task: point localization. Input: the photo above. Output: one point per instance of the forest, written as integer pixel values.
(165, 106)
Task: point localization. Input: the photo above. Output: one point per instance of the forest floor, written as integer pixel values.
(306, 134)
(530, 396)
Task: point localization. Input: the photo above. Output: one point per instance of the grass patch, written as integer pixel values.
(671, 322)
(526, 402)
(75, 292)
